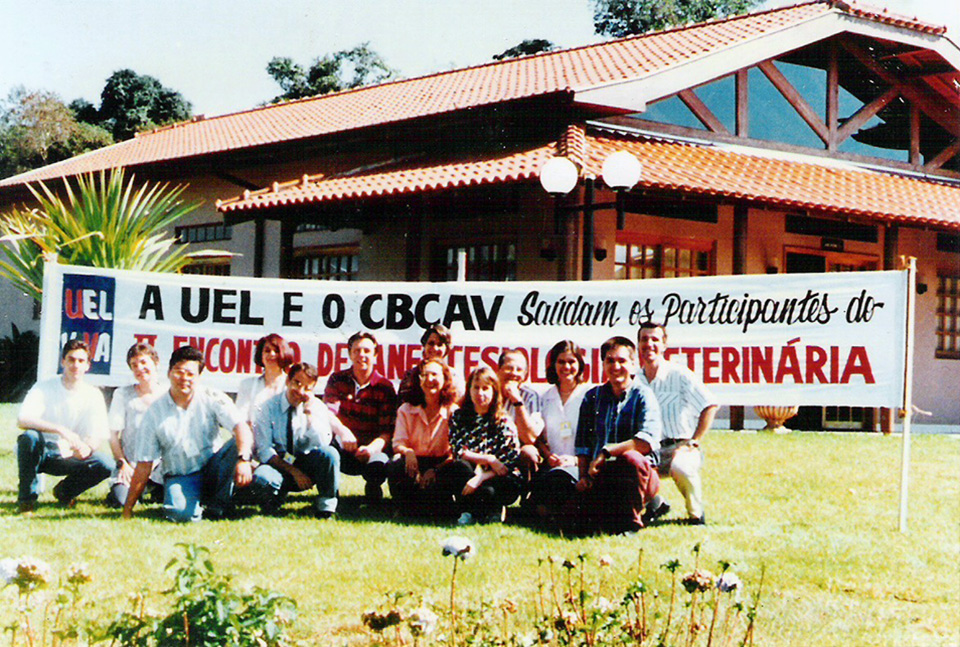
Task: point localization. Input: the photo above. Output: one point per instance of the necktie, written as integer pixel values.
(290, 413)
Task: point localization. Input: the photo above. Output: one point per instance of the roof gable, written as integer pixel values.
(602, 74)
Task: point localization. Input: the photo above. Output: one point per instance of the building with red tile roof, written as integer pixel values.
(815, 137)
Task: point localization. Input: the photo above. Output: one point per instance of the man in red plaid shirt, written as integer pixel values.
(366, 403)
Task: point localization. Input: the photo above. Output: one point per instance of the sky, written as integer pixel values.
(215, 52)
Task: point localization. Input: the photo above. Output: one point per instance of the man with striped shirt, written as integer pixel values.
(687, 408)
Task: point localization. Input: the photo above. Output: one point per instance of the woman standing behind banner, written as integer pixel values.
(274, 355)
(127, 407)
(485, 442)
(555, 482)
(437, 343)
(420, 474)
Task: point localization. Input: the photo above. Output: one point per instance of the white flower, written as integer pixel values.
(605, 606)
(728, 583)
(78, 574)
(422, 621)
(459, 547)
(31, 574)
(8, 570)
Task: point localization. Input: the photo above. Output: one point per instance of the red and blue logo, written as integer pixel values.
(88, 305)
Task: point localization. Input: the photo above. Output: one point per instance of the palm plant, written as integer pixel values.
(103, 221)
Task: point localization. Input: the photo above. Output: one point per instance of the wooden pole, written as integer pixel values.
(907, 393)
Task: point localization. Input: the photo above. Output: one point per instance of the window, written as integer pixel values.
(489, 262)
(327, 263)
(203, 233)
(948, 317)
(208, 267)
(650, 259)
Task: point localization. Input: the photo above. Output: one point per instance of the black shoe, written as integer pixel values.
(698, 521)
(373, 492)
(26, 508)
(63, 501)
(652, 515)
(325, 515)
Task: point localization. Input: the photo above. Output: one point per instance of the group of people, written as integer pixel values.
(585, 458)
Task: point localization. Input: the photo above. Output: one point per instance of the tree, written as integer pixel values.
(103, 221)
(342, 70)
(526, 48)
(131, 102)
(620, 18)
(37, 129)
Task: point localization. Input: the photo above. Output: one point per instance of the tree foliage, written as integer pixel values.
(619, 18)
(131, 102)
(36, 129)
(342, 70)
(101, 220)
(526, 48)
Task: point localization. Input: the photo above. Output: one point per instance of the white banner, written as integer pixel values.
(822, 339)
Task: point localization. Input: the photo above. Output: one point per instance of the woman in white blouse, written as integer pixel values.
(555, 482)
(275, 356)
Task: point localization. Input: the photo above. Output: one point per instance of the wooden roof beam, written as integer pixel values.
(702, 112)
(866, 113)
(943, 156)
(795, 99)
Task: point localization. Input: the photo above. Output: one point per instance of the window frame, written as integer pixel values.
(660, 243)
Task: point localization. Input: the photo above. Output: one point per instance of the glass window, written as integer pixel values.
(642, 260)
(948, 317)
(487, 262)
(328, 264)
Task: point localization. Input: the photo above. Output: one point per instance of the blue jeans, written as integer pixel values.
(322, 466)
(36, 454)
(185, 496)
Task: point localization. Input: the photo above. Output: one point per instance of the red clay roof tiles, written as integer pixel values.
(802, 184)
(573, 69)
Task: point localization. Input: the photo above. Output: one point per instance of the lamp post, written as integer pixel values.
(558, 177)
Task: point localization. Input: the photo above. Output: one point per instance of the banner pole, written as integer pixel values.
(907, 409)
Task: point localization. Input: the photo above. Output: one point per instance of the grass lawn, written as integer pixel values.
(819, 511)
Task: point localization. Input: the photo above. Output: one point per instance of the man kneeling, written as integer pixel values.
(182, 428)
(294, 431)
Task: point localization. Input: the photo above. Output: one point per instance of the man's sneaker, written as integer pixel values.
(26, 507)
(63, 501)
(372, 492)
(466, 519)
(698, 521)
(652, 515)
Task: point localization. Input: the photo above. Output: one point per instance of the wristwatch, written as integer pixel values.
(605, 452)
(245, 457)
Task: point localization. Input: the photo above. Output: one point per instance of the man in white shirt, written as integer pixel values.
(65, 423)
(687, 408)
(294, 433)
(182, 429)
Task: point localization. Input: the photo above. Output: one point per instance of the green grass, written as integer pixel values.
(819, 511)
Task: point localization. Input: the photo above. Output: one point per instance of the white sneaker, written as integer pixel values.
(465, 519)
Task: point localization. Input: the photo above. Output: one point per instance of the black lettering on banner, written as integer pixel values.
(420, 310)
(152, 301)
(365, 317)
(203, 306)
(289, 307)
(458, 309)
(245, 318)
(399, 316)
(487, 320)
(861, 307)
(223, 306)
(333, 311)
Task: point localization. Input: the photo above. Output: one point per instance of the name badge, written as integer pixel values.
(288, 457)
(566, 429)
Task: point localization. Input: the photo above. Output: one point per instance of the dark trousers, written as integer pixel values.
(492, 494)
(433, 501)
(36, 454)
(321, 465)
(553, 489)
(620, 492)
(373, 471)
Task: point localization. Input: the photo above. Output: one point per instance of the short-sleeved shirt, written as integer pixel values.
(185, 438)
(681, 396)
(425, 437)
(253, 391)
(484, 435)
(534, 406)
(310, 432)
(81, 409)
(561, 419)
(127, 409)
(368, 411)
(605, 419)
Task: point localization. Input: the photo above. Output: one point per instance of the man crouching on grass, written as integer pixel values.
(294, 431)
(181, 428)
(618, 437)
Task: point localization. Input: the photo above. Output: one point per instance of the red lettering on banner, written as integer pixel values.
(245, 349)
(858, 363)
(762, 359)
(731, 361)
(412, 356)
(73, 308)
(324, 359)
(146, 339)
(296, 351)
(816, 360)
(339, 357)
(709, 363)
(469, 363)
(395, 362)
(691, 354)
(789, 364)
(535, 375)
(834, 364)
(208, 353)
(489, 356)
(228, 356)
(597, 365)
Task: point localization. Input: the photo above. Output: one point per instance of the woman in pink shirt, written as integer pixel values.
(419, 474)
